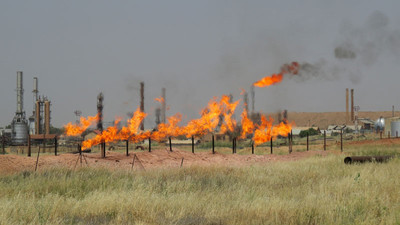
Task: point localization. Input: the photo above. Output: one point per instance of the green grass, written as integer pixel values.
(318, 190)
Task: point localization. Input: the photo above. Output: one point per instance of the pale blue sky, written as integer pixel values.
(196, 49)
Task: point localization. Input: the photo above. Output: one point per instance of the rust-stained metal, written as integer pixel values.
(363, 159)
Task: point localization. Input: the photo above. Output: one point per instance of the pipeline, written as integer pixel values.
(363, 159)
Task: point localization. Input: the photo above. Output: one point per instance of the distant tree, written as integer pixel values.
(8, 126)
(310, 132)
(55, 130)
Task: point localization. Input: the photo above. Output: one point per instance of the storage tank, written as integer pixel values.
(395, 125)
(19, 133)
(19, 124)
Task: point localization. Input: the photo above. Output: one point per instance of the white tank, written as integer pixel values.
(395, 127)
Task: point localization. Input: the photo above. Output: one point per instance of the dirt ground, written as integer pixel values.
(158, 158)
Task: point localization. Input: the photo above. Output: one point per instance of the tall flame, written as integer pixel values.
(247, 125)
(78, 129)
(292, 68)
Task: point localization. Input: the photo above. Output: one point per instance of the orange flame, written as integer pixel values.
(112, 134)
(169, 129)
(228, 109)
(247, 125)
(78, 129)
(266, 131)
(216, 113)
(292, 68)
(159, 99)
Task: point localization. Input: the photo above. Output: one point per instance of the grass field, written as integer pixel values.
(316, 190)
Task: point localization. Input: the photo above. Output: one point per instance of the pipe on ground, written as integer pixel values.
(363, 159)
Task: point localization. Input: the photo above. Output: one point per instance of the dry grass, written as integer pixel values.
(317, 190)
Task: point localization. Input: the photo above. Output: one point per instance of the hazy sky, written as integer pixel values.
(197, 50)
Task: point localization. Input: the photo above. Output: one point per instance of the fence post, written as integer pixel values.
(29, 145)
(341, 140)
(324, 140)
(127, 147)
(307, 142)
(213, 149)
(149, 144)
(55, 146)
(170, 144)
(233, 145)
(271, 146)
(192, 144)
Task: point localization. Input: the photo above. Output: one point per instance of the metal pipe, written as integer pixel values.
(347, 105)
(3, 142)
(29, 145)
(46, 117)
(142, 103)
(352, 104)
(20, 93)
(163, 106)
(362, 159)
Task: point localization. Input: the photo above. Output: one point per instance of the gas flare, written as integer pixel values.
(292, 68)
(266, 131)
(159, 99)
(78, 129)
(217, 113)
(129, 132)
(247, 125)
